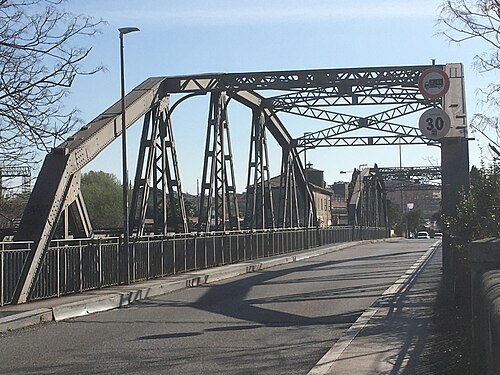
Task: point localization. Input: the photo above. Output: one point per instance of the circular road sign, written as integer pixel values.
(434, 83)
(434, 123)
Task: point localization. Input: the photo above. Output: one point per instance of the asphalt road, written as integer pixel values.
(277, 321)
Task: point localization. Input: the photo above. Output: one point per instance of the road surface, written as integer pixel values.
(277, 321)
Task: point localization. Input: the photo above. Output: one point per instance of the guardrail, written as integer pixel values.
(74, 266)
(484, 263)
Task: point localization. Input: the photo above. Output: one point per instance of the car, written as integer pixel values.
(438, 235)
(423, 235)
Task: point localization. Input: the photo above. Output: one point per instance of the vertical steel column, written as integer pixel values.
(259, 202)
(171, 178)
(288, 210)
(218, 201)
(143, 175)
(158, 174)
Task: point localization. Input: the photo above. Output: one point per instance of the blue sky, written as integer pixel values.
(189, 37)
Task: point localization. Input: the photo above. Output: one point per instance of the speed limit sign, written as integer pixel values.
(434, 123)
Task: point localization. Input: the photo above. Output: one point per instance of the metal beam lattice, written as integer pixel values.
(300, 80)
(10, 171)
(304, 92)
(348, 123)
(367, 198)
(218, 201)
(259, 212)
(288, 214)
(157, 193)
(411, 178)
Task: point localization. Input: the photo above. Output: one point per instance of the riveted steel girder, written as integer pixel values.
(53, 184)
(157, 178)
(218, 201)
(420, 174)
(348, 123)
(290, 159)
(308, 93)
(300, 80)
(259, 210)
(367, 199)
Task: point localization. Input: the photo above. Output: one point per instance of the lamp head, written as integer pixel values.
(126, 30)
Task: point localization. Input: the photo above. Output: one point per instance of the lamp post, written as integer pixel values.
(123, 31)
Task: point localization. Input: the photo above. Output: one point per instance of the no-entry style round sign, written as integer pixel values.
(434, 83)
(434, 123)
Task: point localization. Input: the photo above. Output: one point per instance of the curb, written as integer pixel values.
(115, 300)
(25, 319)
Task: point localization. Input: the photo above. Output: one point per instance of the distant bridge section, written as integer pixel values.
(423, 178)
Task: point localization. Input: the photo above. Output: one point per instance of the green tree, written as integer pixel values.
(414, 220)
(11, 209)
(395, 217)
(103, 197)
(189, 206)
(478, 212)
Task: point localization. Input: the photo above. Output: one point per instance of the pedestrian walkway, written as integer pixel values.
(396, 338)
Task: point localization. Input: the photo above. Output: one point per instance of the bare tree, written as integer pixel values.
(40, 56)
(479, 19)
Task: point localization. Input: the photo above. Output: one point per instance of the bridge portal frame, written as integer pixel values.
(308, 93)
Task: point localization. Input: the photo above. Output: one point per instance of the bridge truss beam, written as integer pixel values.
(308, 93)
(20, 171)
(259, 210)
(367, 199)
(218, 201)
(411, 178)
(157, 184)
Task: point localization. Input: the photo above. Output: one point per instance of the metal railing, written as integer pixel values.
(74, 266)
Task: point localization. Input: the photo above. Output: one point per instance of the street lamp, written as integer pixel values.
(123, 31)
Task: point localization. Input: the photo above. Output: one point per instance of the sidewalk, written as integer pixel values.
(14, 317)
(402, 336)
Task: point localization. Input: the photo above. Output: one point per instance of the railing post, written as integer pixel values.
(99, 261)
(118, 261)
(174, 258)
(58, 260)
(195, 252)
(2, 271)
(148, 260)
(80, 267)
(162, 255)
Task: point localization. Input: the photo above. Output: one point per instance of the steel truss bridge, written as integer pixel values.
(414, 178)
(19, 171)
(324, 95)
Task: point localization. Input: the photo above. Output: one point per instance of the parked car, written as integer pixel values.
(438, 235)
(423, 235)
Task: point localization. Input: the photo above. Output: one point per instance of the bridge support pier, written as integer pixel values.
(455, 179)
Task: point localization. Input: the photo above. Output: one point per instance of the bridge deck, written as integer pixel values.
(392, 339)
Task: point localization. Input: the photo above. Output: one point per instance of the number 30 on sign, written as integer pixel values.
(434, 123)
